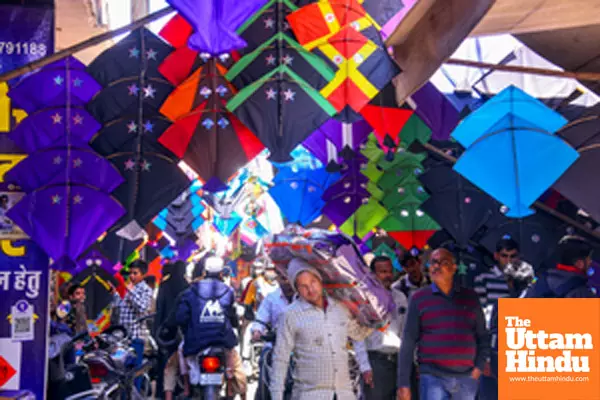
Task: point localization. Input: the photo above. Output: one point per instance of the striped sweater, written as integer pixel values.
(448, 332)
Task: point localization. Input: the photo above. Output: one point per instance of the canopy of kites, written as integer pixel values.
(221, 131)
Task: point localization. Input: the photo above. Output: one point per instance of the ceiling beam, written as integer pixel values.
(525, 16)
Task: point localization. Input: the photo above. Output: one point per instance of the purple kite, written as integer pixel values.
(55, 85)
(65, 219)
(48, 128)
(329, 142)
(64, 165)
(345, 197)
(215, 22)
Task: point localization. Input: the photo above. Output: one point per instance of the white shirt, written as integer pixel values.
(317, 340)
(388, 341)
(270, 311)
(264, 288)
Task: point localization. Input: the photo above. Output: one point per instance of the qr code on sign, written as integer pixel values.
(22, 325)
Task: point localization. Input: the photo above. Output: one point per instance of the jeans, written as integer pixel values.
(138, 346)
(448, 387)
(488, 389)
(384, 377)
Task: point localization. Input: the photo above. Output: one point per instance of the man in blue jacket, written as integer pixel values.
(569, 278)
(206, 315)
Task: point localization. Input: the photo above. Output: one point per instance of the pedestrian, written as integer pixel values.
(447, 323)
(508, 278)
(377, 355)
(569, 278)
(415, 278)
(315, 330)
(77, 318)
(134, 305)
(173, 283)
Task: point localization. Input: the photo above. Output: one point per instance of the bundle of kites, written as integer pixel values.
(345, 275)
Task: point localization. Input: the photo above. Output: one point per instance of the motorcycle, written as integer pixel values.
(67, 380)
(112, 366)
(206, 370)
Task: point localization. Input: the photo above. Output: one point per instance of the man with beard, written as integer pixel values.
(314, 329)
(378, 354)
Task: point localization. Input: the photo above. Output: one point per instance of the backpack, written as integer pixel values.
(543, 289)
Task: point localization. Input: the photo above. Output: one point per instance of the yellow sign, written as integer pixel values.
(7, 113)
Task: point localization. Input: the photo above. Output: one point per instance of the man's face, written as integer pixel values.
(442, 266)
(309, 288)
(384, 271)
(78, 295)
(135, 276)
(504, 257)
(413, 269)
(270, 274)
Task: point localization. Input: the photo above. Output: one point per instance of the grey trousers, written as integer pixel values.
(384, 377)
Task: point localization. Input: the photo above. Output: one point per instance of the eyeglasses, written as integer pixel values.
(443, 263)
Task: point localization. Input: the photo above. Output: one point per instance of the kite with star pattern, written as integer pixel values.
(279, 50)
(271, 107)
(62, 166)
(46, 128)
(122, 97)
(59, 83)
(152, 181)
(140, 49)
(65, 219)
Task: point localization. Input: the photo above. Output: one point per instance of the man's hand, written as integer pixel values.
(476, 373)
(404, 394)
(487, 370)
(256, 336)
(368, 378)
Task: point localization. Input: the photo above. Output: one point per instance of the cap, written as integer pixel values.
(298, 266)
(214, 265)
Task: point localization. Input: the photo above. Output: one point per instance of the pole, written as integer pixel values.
(93, 41)
(539, 205)
(581, 76)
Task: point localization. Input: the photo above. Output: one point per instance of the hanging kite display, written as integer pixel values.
(271, 106)
(65, 219)
(46, 128)
(62, 82)
(214, 22)
(512, 153)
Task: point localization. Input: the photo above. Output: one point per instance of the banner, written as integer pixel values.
(548, 349)
(26, 35)
(24, 287)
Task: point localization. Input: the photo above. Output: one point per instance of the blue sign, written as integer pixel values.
(24, 285)
(26, 35)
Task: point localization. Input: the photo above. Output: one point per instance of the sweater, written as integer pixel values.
(448, 332)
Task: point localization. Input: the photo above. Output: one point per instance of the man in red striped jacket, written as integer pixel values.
(446, 325)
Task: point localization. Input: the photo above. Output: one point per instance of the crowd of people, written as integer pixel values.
(440, 342)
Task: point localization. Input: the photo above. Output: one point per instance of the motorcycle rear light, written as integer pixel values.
(210, 364)
(97, 372)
